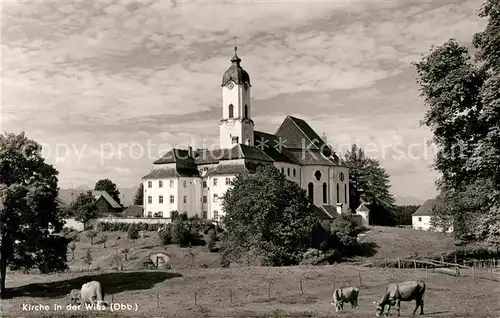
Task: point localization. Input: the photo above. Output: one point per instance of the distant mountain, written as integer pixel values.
(408, 200)
(69, 195)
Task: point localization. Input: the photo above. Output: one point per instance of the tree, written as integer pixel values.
(28, 208)
(110, 187)
(91, 235)
(462, 97)
(133, 232)
(369, 182)
(84, 208)
(72, 246)
(88, 259)
(103, 238)
(125, 253)
(403, 214)
(139, 195)
(441, 219)
(269, 214)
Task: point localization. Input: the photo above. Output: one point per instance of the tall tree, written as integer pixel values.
(84, 208)
(269, 215)
(369, 182)
(139, 195)
(28, 208)
(403, 214)
(462, 97)
(110, 187)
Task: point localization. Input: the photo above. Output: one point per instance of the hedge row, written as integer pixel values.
(123, 227)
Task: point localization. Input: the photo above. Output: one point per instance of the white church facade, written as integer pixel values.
(194, 181)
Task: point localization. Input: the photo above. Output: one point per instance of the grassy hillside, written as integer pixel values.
(139, 250)
(387, 242)
(391, 243)
(255, 292)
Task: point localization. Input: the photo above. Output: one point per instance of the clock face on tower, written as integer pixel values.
(230, 86)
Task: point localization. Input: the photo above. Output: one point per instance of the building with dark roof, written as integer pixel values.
(193, 181)
(421, 219)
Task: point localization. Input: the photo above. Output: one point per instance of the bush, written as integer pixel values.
(123, 227)
(313, 257)
(186, 233)
(345, 226)
(133, 232)
(165, 236)
(212, 240)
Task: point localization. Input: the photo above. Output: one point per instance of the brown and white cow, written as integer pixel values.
(405, 291)
(345, 295)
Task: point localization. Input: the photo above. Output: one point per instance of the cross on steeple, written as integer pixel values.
(236, 60)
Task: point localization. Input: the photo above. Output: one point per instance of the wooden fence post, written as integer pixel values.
(157, 300)
(333, 282)
(301, 289)
(491, 273)
(112, 299)
(442, 260)
(426, 271)
(415, 263)
(231, 295)
(269, 292)
(195, 296)
(473, 272)
(385, 263)
(360, 281)
(399, 262)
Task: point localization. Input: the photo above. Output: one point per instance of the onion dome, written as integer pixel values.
(235, 72)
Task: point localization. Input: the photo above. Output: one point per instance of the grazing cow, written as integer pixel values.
(74, 296)
(405, 291)
(345, 295)
(92, 292)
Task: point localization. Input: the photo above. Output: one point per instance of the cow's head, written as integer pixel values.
(378, 308)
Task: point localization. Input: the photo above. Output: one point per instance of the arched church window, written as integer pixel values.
(246, 112)
(310, 191)
(345, 192)
(231, 111)
(294, 172)
(325, 193)
(288, 171)
(338, 193)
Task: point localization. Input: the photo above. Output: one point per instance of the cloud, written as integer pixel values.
(94, 73)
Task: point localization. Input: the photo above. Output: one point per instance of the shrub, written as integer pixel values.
(133, 232)
(212, 240)
(345, 226)
(313, 257)
(91, 234)
(186, 233)
(88, 258)
(123, 227)
(165, 236)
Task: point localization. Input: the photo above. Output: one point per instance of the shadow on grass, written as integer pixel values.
(367, 249)
(112, 283)
(436, 313)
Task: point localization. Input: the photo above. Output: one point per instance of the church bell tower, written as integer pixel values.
(236, 125)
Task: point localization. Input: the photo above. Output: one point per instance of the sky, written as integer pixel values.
(108, 87)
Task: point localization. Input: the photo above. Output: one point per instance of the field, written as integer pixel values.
(393, 243)
(195, 286)
(244, 292)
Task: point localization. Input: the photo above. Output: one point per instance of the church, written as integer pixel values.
(193, 181)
